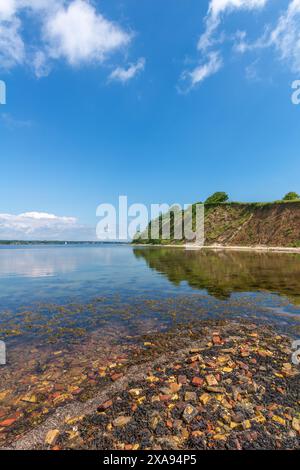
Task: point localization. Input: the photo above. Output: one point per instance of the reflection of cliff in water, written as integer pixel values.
(222, 273)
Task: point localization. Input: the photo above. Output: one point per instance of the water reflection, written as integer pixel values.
(36, 262)
(222, 273)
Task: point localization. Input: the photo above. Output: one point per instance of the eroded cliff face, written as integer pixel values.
(236, 224)
(249, 224)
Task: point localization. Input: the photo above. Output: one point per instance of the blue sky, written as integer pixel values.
(160, 101)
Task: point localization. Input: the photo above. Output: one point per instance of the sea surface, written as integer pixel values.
(71, 315)
(136, 286)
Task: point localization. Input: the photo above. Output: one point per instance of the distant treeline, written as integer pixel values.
(49, 242)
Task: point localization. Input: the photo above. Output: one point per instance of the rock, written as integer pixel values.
(8, 422)
(4, 394)
(278, 420)
(219, 437)
(152, 379)
(70, 421)
(190, 396)
(190, 412)
(216, 339)
(29, 398)
(104, 406)
(182, 379)
(204, 399)
(195, 350)
(165, 397)
(195, 358)
(197, 381)
(185, 434)
(238, 417)
(296, 424)
(174, 387)
(52, 437)
(116, 377)
(215, 389)
(121, 421)
(211, 380)
(154, 422)
(135, 392)
(246, 424)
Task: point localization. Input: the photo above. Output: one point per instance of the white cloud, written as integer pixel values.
(201, 72)
(124, 75)
(209, 39)
(7, 9)
(79, 34)
(284, 38)
(12, 48)
(71, 30)
(216, 9)
(13, 123)
(41, 64)
(42, 226)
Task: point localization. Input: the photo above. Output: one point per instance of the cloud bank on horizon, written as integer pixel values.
(43, 226)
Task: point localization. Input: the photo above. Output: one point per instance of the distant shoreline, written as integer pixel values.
(57, 242)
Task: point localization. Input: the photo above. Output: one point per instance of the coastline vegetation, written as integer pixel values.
(230, 223)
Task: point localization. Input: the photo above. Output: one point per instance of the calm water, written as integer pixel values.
(65, 311)
(149, 284)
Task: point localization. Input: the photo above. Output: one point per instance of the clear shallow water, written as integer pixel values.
(122, 278)
(70, 313)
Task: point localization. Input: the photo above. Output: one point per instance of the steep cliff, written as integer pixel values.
(242, 224)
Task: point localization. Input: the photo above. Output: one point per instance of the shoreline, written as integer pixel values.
(218, 384)
(258, 248)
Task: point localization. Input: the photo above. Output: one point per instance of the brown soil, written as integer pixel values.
(249, 224)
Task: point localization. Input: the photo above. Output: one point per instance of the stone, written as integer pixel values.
(197, 381)
(182, 379)
(116, 377)
(29, 398)
(190, 396)
(154, 422)
(192, 359)
(216, 339)
(121, 421)
(278, 420)
(8, 422)
(52, 437)
(189, 413)
(246, 424)
(296, 424)
(204, 399)
(174, 387)
(219, 437)
(215, 389)
(211, 380)
(104, 406)
(135, 392)
(165, 397)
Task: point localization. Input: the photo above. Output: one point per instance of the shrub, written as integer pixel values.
(292, 196)
(217, 198)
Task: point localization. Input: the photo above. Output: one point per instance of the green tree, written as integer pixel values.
(292, 196)
(217, 198)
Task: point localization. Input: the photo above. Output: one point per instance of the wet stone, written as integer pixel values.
(190, 412)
